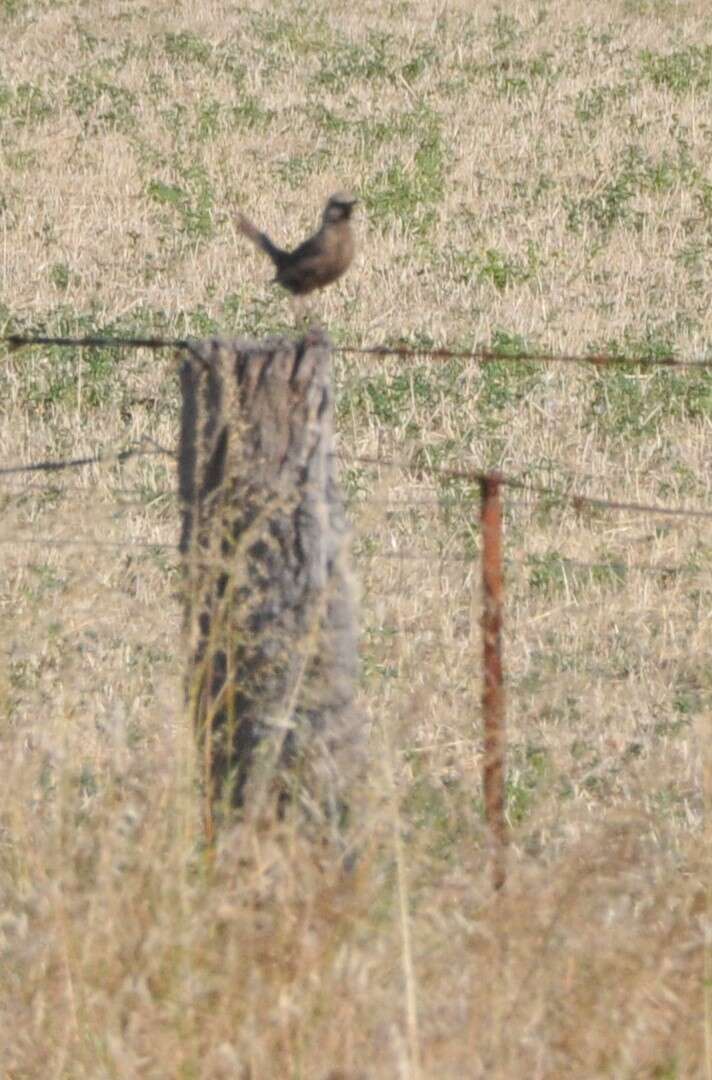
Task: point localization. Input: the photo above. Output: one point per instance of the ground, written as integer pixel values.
(532, 178)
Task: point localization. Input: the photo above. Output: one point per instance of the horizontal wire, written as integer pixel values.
(447, 502)
(144, 496)
(12, 492)
(83, 542)
(475, 475)
(533, 563)
(405, 554)
(102, 458)
(412, 555)
(651, 568)
(488, 356)
(576, 500)
(482, 355)
(20, 341)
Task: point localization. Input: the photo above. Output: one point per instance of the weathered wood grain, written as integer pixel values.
(270, 614)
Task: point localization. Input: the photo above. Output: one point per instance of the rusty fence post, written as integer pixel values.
(493, 689)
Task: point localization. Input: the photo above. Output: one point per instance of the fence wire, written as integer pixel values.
(576, 500)
(144, 447)
(528, 492)
(148, 447)
(481, 354)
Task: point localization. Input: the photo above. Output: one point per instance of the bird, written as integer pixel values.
(320, 259)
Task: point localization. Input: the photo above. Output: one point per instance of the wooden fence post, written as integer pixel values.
(270, 615)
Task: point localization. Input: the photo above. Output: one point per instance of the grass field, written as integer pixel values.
(531, 176)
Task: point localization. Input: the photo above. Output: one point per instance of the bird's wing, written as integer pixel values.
(312, 265)
(312, 248)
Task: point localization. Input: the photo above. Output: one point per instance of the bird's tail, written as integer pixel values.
(260, 240)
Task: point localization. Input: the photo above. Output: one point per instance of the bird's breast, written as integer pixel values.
(338, 251)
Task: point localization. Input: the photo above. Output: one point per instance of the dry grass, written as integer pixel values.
(534, 176)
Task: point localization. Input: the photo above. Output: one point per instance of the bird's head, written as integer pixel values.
(339, 208)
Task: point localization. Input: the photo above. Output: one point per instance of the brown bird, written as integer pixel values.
(318, 261)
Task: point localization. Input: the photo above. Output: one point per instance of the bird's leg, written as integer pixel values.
(301, 311)
(295, 303)
(307, 318)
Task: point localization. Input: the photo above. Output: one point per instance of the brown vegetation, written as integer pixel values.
(529, 176)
